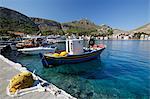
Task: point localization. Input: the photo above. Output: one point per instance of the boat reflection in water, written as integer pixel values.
(76, 69)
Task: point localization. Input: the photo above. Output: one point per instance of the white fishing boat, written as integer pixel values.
(75, 53)
(37, 50)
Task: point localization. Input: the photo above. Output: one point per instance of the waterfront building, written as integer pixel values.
(126, 37)
(142, 37)
(101, 38)
(106, 38)
(148, 37)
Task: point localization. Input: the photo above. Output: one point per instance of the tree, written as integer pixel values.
(110, 32)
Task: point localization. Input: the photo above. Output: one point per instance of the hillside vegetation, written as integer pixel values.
(11, 20)
(80, 27)
(48, 27)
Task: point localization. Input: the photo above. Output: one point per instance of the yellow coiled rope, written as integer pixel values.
(21, 81)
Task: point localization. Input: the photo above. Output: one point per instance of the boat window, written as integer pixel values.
(68, 47)
(71, 46)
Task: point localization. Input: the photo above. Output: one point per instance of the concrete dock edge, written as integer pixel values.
(10, 68)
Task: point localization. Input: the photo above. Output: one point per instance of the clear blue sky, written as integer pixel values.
(122, 14)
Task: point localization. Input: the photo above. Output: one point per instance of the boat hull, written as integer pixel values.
(71, 59)
(36, 51)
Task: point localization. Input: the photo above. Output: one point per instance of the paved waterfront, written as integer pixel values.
(6, 73)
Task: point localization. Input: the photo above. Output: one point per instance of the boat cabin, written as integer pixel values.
(74, 46)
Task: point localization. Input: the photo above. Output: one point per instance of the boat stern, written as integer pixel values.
(44, 61)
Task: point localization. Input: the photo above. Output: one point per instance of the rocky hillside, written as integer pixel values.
(144, 28)
(104, 30)
(11, 20)
(80, 27)
(48, 26)
(118, 31)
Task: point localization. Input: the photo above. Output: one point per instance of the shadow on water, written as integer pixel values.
(12, 55)
(100, 73)
(79, 68)
(94, 69)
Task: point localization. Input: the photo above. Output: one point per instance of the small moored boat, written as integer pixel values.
(75, 53)
(37, 50)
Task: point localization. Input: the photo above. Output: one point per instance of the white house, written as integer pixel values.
(126, 37)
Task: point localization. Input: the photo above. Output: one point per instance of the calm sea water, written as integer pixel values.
(122, 72)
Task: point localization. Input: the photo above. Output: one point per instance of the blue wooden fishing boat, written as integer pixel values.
(74, 53)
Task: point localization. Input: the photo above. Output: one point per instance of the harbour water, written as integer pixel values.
(122, 72)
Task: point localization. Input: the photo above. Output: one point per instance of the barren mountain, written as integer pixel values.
(144, 28)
